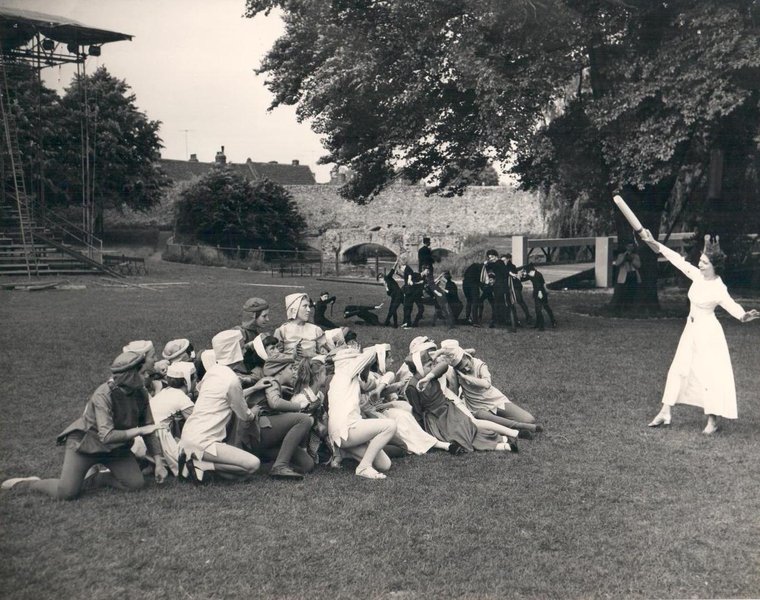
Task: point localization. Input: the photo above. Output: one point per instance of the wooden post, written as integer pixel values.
(519, 250)
(377, 265)
(603, 262)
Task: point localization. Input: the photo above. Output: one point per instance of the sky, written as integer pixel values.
(191, 66)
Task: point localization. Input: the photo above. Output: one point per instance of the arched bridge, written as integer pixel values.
(337, 242)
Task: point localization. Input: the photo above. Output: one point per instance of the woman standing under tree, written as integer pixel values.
(701, 373)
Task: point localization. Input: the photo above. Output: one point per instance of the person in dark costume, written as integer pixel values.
(320, 308)
(363, 312)
(393, 289)
(514, 274)
(500, 289)
(471, 288)
(540, 296)
(425, 255)
(413, 291)
(486, 295)
(438, 295)
(452, 295)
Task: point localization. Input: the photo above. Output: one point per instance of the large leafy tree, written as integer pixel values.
(586, 97)
(120, 143)
(37, 113)
(224, 208)
(93, 138)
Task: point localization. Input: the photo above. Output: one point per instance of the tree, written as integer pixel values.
(121, 145)
(223, 208)
(586, 97)
(37, 114)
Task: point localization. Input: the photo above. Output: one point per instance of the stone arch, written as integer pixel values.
(337, 242)
(362, 253)
(441, 253)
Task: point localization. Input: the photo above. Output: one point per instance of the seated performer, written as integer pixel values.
(297, 333)
(320, 308)
(440, 416)
(483, 399)
(221, 395)
(383, 402)
(113, 417)
(363, 439)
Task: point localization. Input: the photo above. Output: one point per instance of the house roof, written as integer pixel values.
(284, 174)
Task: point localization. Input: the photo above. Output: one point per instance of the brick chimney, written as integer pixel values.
(193, 158)
(220, 158)
(295, 162)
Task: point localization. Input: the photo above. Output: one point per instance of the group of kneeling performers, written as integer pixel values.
(299, 397)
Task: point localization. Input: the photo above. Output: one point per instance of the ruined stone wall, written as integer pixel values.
(499, 210)
(402, 210)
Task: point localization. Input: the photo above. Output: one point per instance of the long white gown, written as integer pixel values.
(701, 372)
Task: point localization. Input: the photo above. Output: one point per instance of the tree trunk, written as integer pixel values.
(648, 205)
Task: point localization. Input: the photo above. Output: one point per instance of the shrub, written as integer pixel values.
(223, 208)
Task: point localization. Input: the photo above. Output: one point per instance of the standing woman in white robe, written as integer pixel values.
(701, 373)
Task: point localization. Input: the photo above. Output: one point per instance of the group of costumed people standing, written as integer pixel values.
(496, 282)
(297, 397)
(303, 396)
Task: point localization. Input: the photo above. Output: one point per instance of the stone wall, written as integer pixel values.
(397, 218)
(499, 210)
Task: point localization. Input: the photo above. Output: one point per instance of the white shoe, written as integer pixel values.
(710, 428)
(660, 420)
(369, 473)
(9, 483)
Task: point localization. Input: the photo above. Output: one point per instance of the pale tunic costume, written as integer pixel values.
(408, 431)
(345, 392)
(220, 395)
(701, 373)
(292, 332)
(165, 405)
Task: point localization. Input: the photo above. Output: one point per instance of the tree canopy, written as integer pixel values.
(223, 208)
(434, 87)
(584, 97)
(95, 127)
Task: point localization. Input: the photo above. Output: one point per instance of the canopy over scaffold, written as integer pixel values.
(45, 40)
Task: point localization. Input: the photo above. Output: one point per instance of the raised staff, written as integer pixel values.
(701, 372)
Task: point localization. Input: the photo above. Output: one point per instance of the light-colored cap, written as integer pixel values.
(175, 348)
(140, 346)
(127, 361)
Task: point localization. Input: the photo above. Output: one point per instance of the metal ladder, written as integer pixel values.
(16, 188)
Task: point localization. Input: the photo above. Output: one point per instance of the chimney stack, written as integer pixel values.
(193, 158)
(295, 162)
(220, 158)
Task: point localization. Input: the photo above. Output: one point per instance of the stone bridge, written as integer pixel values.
(337, 242)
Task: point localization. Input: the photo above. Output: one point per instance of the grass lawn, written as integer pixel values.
(597, 506)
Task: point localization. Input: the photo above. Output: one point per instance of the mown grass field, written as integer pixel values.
(598, 506)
